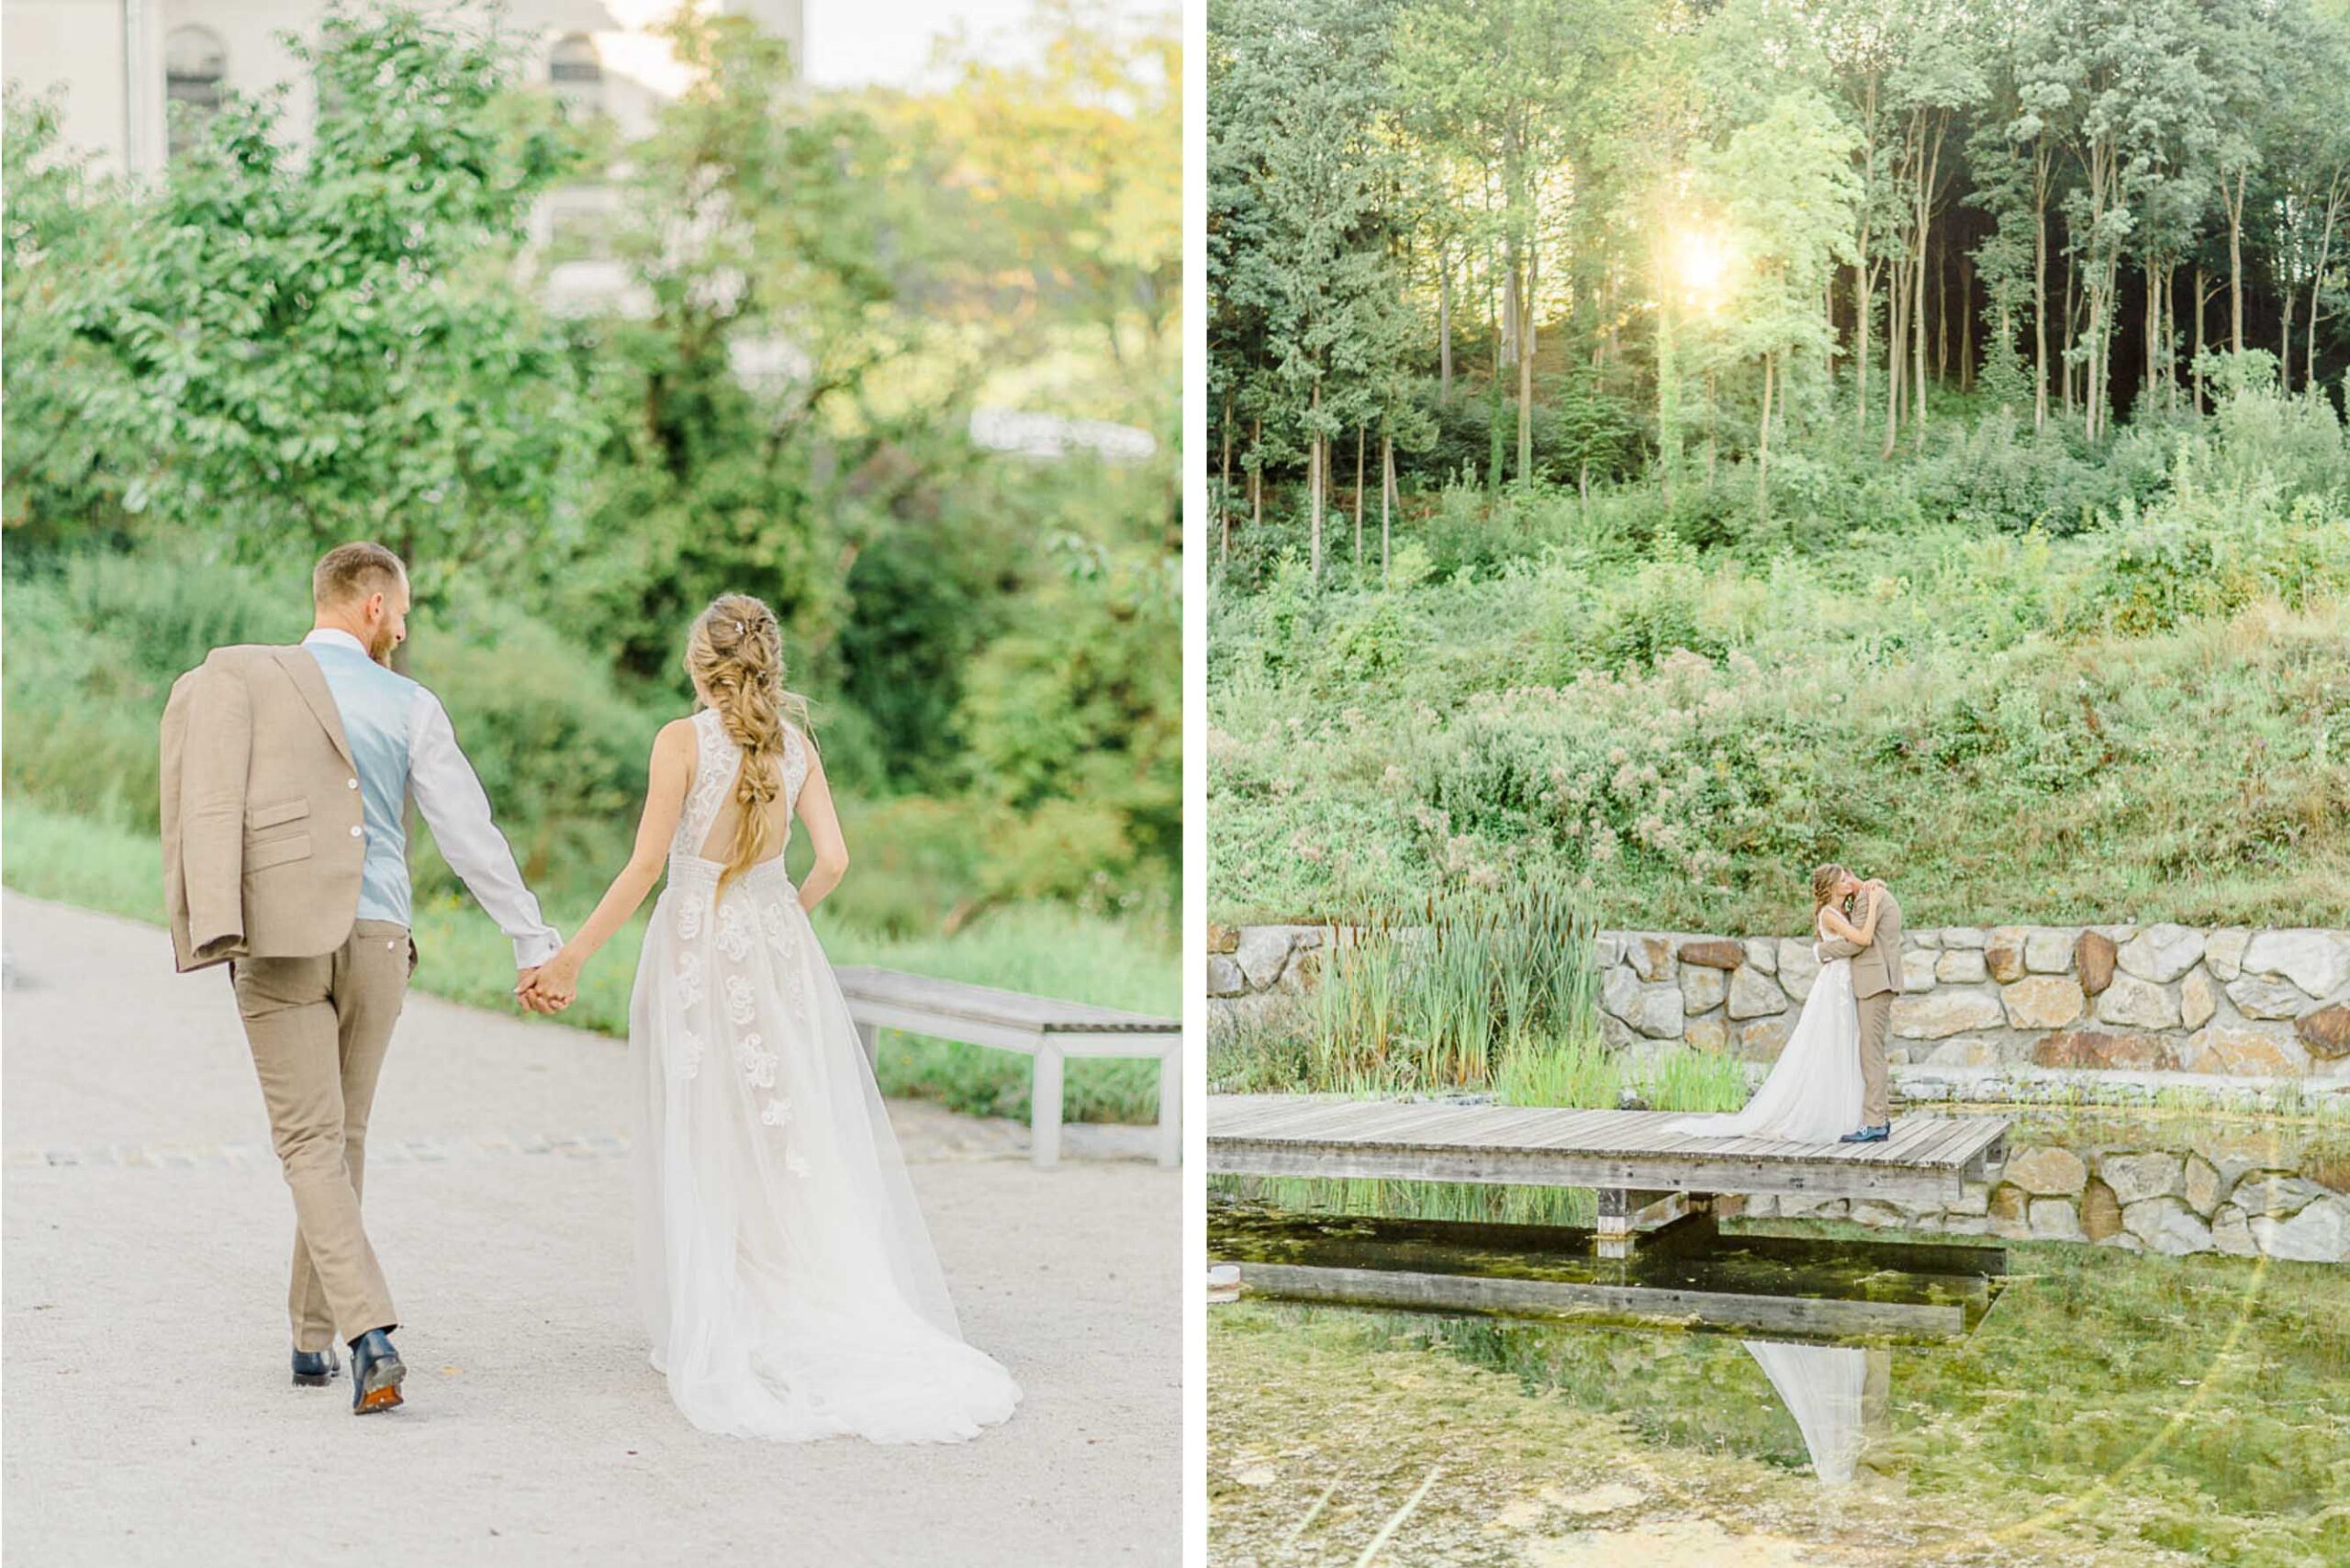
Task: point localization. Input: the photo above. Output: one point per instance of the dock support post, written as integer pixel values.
(1626, 1213)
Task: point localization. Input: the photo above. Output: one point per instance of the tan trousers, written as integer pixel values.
(1876, 1094)
(318, 1028)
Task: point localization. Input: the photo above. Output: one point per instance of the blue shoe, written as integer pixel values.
(1869, 1135)
(316, 1369)
(376, 1373)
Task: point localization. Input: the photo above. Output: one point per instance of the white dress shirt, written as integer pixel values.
(381, 707)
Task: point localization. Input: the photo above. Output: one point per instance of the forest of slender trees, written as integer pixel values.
(1545, 241)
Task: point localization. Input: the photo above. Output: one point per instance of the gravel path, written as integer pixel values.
(148, 1407)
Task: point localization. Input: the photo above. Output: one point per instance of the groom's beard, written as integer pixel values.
(380, 650)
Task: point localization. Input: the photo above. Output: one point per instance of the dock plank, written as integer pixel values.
(1926, 1157)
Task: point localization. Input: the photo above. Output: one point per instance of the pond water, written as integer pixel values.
(1773, 1391)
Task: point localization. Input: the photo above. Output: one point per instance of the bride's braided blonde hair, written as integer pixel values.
(1825, 882)
(735, 655)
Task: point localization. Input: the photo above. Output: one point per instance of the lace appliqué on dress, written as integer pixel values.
(742, 1006)
(735, 934)
(687, 1061)
(692, 987)
(758, 1064)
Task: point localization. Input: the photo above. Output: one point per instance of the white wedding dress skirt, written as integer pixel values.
(1823, 1386)
(786, 1277)
(1813, 1092)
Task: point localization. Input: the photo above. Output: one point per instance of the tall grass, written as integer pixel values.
(1046, 949)
(1442, 999)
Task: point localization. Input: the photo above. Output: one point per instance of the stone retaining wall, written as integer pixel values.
(2152, 998)
(2223, 1195)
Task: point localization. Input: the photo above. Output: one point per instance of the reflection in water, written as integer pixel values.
(1825, 1388)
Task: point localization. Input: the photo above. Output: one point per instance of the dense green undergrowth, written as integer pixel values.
(2138, 719)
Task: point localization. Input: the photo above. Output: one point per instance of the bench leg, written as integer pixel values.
(1045, 1109)
(1171, 1108)
(870, 1034)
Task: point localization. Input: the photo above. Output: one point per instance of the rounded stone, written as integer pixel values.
(1753, 994)
(2224, 951)
(1762, 952)
(1713, 953)
(2264, 996)
(2097, 1048)
(1225, 977)
(2093, 958)
(2137, 1177)
(2055, 1220)
(1799, 965)
(2198, 999)
(2138, 1003)
(2048, 1171)
(1263, 953)
(1659, 1015)
(2326, 1032)
(2003, 953)
(1702, 989)
(1962, 936)
(2319, 1234)
(1709, 1034)
(1651, 955)
(2048, 949)
(1917, 968)
(2100, 1213)
(2161, 952)
(2042, 1002)
(1959, 969)
(2317, 962)
(1938, 1015)
(1763, 1040)
(2258, 1051)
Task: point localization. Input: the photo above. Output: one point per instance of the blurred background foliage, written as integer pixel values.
(214, 377)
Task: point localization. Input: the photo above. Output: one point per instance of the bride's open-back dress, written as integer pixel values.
(787, 1279)
(1814, 1092)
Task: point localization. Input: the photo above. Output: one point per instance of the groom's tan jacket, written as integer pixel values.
(263, 842)
(1876, 968)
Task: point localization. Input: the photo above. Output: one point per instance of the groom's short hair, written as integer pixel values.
(354, 571)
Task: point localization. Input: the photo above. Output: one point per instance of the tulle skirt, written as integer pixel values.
(1813, 1092)
(787, 1281)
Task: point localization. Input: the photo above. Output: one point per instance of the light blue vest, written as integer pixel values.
(377, 706)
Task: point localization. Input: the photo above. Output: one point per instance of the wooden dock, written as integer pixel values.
(1626, 1155)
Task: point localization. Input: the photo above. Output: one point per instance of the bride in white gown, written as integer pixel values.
(1814, 1091)
(787, 1281)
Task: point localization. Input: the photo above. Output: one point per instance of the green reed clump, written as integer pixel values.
(1442, 999)
(1692, 1080)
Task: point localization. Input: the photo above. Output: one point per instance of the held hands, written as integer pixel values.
(551, 987)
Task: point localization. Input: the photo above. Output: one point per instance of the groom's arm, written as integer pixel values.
(450, 795)
(1844, 947)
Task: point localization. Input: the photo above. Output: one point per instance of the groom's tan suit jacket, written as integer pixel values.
(262, 843)
(1876, 968)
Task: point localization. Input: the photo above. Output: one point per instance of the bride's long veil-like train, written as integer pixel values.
(788, 1281)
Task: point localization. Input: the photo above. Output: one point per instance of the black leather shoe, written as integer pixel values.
(1869, 1135)
(316, 1369)
(376, 1373)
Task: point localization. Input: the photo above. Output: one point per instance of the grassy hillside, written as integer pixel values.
(2145, 718)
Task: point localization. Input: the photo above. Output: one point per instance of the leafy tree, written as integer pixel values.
(307, 349)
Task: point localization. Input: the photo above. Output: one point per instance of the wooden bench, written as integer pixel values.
(1039, 1026)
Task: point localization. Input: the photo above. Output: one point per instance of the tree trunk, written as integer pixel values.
(1386, 499)
(1315, 469)
(2039, 315)
(2334, 195)
(1359, 438)
(1526, 371)
(2202, 298)
(1444, 325)
(2234, 202)
(1966, 325)
(1224, 490)
(2065, 363)
(1762, 452)
(1257, 475)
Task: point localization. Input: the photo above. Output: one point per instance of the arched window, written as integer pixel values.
(577, 73)
(196, 68)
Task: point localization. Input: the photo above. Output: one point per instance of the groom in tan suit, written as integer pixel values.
(286, 772)
(1876, 980)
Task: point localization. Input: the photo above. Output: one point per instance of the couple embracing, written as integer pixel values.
(787, 1285)
(1829, 1082)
